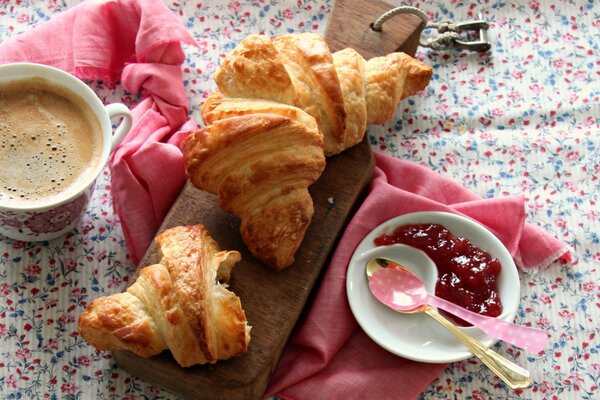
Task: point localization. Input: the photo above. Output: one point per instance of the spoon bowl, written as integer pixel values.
(413, 281)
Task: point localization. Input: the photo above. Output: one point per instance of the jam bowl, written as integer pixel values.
(415, 336)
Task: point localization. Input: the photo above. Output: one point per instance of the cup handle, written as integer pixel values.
(119, 110)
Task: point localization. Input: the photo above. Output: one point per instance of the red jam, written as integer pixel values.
(467, 275)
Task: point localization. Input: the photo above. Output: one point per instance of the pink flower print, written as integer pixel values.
(546, 387)
(71, 265)
(572, 156)
(535, 88)
(497, 112)
(477, 79)
(566, 314)
(69, 388)
(84, 361)
(52, 344)
(129, 397)
(114, 282)
(467, 101)
(23, 19)
(152, 391)
(76, 292)
(514, 95)
(235, 7)
(546, 299)
(517, 43)
(287, 13)
(49, 303)
(486, 136)
(538, 31)
(517, 74)
(33, 270)
(66, 319)
(23, 354)
(11, 381)
(595, 369)
(3, 330)
(478, 395)
(534, 5)
(101, 255)
(572, 186)
(4, 289)
(211, 67)
(580, 75)
(543, 322)
(588, 287)
(8, 220)
(18, 244)
(451, 158)
(202, 46)
(558, 63)
(573, 97)
(442, 108)
(226, 32)
(58, 218)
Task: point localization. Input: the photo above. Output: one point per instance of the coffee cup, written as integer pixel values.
(56, 137)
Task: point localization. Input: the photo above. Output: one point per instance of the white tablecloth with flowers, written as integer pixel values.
(522, 118)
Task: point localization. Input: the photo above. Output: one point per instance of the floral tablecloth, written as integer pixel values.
(523, 118)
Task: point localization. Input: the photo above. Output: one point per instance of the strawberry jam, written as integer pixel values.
(467, 275)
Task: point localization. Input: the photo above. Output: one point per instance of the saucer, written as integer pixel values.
(417, 336)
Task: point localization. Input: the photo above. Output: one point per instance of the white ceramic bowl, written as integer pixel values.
(417, 336)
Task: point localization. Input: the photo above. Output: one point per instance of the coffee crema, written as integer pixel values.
(50, 141)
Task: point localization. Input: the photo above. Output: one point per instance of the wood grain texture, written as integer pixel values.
(350, 26)
(273, 301)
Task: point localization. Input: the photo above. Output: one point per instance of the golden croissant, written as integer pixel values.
(260, 166)
(342, 91)
(178, 304)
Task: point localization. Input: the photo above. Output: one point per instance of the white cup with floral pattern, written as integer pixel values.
(42, 141)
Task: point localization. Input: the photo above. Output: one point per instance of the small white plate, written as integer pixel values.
(417, 336)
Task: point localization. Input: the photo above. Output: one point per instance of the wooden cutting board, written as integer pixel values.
(273, 301)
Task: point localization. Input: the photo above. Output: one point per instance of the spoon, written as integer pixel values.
(401, 289)
(513, 375)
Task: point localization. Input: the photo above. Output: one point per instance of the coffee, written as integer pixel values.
(50, 141)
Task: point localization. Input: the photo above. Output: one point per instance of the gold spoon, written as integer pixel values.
(513, 375)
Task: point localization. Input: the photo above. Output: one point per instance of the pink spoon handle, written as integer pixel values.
(531, 339)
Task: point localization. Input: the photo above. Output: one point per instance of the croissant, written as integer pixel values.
(260, 165)
(342, 91)
(177, 304)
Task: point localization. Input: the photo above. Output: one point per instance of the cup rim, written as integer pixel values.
(92, 100)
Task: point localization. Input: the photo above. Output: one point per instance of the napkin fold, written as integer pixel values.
(329, 356)
(139, 43)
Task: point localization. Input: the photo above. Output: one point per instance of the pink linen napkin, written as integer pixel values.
(329, 356)
(139, 43)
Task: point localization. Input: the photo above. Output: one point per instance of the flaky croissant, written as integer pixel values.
(260, 165)
(342, 91)
(177, 304)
